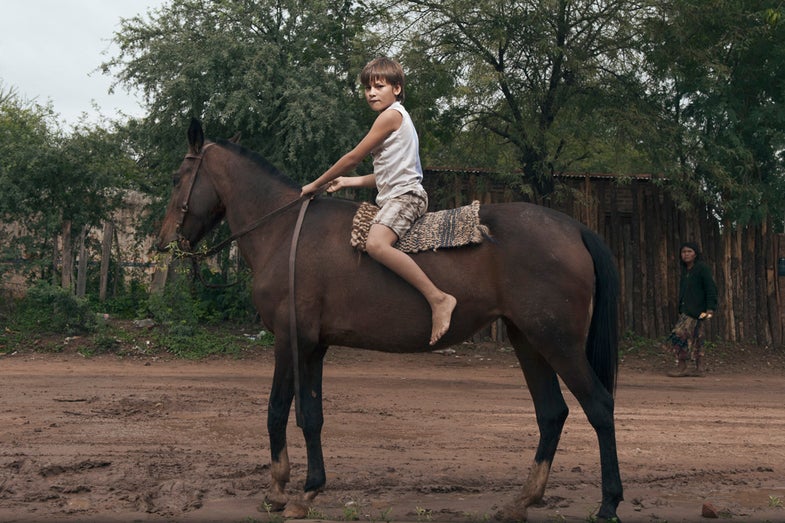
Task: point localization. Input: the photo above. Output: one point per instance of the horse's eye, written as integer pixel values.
(175, 180)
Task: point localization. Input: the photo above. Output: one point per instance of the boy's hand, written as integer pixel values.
(337, 184)
(308, 189)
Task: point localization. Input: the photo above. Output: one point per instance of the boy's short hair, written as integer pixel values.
(387, 69)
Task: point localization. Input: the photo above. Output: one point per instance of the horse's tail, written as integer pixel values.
(602, 345)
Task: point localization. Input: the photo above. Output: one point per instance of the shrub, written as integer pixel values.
(51, 308)
(176, 305)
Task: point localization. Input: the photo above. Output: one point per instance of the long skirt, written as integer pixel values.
(686, 338)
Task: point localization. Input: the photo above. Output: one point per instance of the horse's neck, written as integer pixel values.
(249, 197)
(249, 193)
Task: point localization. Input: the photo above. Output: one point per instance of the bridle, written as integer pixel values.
(182, 242)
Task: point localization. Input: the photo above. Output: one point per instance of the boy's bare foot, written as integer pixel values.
(441, 315)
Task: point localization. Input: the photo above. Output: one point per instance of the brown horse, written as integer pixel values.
(551, 280)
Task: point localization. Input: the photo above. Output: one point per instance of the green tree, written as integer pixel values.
(282, 72)
(51, 182)
(28, 158)
(717, 71)
(530, 72)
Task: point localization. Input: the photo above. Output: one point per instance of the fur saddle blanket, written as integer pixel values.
(434, 230)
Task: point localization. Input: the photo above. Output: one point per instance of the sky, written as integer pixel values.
(50, 50)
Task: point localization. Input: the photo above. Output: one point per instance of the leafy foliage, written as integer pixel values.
(528, 71)
(48, 179)
(28, 158)
(280, 72)
(717, 71)
(186, 302)
(50, 308)
(678, 88)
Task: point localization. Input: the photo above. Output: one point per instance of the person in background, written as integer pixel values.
(697, 303)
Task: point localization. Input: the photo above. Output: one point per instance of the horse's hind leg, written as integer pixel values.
(551, 412)
(598, 404)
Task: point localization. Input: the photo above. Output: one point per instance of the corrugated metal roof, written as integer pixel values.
(483, 171)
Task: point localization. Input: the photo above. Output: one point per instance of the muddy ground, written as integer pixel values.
(434, 437)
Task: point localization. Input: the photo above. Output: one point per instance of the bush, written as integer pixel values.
(226, 303)
(51, 308)
(176, 305)
(129, 299)
(185, 302)
(197, 342)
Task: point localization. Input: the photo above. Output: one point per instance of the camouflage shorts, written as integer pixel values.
(400, 212)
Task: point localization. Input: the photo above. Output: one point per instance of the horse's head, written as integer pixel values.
(195, 206)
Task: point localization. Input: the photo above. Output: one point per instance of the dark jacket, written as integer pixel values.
(697, 290)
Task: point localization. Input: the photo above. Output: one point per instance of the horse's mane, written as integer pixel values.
(259, 160)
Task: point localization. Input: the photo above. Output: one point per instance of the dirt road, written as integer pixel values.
(436, 437)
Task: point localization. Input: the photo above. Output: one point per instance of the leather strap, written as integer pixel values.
(293, 314)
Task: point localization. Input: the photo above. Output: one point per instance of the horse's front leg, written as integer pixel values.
(311, 367)
(278, 407)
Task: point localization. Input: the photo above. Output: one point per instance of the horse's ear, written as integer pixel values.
(236, 137)
(195, 136)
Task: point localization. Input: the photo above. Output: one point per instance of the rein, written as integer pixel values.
(239, 234)
(248, 228)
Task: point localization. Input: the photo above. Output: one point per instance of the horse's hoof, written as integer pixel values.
(295, 510)
(273, 503)
(608, 515)
(511, 513)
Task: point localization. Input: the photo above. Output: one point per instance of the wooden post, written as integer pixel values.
(750, 287)
(779, 253)
(106, 254)
(650, 245)
(81, 271)
(68, 258)
(160, 275)
(726, 300)
(738, 284)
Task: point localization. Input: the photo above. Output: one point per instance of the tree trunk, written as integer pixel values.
(726, 299)
(55, 258)
(68, 257)
(81, 272)
(161, 274)
(106, 254)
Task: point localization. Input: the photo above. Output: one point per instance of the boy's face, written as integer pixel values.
(380, 94)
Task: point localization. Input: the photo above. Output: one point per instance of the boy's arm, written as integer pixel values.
(342, 182)
(386, 123)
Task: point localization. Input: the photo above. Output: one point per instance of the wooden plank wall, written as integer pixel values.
(644, 227)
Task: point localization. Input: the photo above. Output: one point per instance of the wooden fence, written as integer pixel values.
(644, 227)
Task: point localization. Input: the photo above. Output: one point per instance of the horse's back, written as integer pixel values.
(540, 256)
(533, 268)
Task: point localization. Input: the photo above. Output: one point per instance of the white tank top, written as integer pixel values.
(396, 162)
